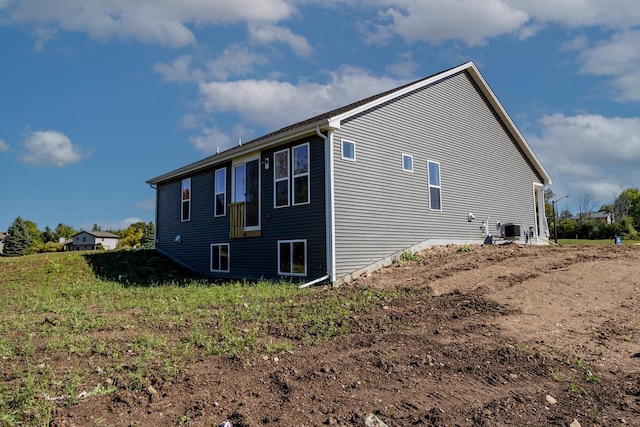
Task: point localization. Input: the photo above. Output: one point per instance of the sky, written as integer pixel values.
(96, 97)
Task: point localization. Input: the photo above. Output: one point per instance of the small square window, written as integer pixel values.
(348, 150)
(407, 163)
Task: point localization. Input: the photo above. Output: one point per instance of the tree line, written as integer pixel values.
(24, 238)
(625, 211)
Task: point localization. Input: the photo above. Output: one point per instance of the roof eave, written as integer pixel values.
(250, 147)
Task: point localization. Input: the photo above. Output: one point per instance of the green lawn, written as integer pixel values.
(595, 242)
(106, 321)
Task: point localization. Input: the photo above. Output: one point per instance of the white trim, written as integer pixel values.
(332, 123)
(410, 157)
(439, 186)
(294, 176)
(243, 161)
(182, 200)
(220, 257)
(276, 180)
(215, 193)
(331, 208)
(342, 156)
(291, 242)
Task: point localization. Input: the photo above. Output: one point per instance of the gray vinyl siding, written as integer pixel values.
(381, 209)
(252, 257)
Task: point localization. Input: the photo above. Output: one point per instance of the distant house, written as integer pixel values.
(604, 217)
(346, 192)
(92, 240)
(2, 237)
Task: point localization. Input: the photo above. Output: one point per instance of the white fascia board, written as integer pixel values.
(243, 150)
(399, 93)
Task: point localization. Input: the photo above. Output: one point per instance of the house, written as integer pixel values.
(603, 217)
(92, 240)
(2, 237)
(433, 162)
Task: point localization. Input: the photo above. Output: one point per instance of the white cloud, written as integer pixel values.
(580, 13)
(434, 21)
(163, 22)
(235, 61)
(210, 139)
(475, 21)
(618, 58)
(179, 70)
(4, 146)
(269, 33)
(50, 148)
(273, 103)
(405, 67)
(590, 154)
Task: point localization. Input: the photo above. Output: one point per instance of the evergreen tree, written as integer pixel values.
(48, 235)
(18, 240)
(148, 235)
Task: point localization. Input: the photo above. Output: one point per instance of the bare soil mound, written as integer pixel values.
(498, 335)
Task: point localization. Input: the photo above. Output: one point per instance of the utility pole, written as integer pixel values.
(555, 214)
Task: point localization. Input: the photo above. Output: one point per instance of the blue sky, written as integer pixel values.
(97, 97)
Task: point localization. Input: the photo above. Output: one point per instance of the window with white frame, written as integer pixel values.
(220, 208)
(435, 196)
(220, 257)
(348, 150)
(407, 163)
(292, 257)
(186, 199)
(281, 178)
(300, 168)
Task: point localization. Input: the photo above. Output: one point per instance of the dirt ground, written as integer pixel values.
(500, 335)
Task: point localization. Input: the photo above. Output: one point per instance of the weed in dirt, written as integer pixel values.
(465, 248)
(575, 388)
(409, 256)
(625, 338)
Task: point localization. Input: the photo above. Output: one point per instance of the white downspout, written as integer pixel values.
(329, 204)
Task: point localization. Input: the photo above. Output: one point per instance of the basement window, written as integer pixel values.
(292, 257)
(220, 258)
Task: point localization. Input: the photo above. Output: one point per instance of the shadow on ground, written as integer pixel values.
(140, 268)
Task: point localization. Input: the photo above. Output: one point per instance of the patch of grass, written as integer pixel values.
(409, 256)
(126, 331)
(575, 388)
(595, 242)
(465, 248)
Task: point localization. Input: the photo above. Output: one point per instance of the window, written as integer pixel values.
(220, 258)
(407, 163)
(301, 174)
(292, 257)
(186, 199)
(435, 198)
(220, 208)
(246, 188)
(348, 150)
(281, 178)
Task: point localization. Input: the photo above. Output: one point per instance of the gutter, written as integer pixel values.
(330, 213)
(313, 282)
(256, 145)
